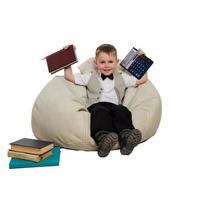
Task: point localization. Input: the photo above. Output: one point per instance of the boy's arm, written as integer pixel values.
(142, 80)
(68, 74)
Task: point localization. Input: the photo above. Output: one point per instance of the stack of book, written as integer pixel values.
(33, 153)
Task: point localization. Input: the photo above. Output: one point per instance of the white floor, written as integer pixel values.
(161, 168)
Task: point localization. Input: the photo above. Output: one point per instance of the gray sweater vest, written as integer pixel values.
(94, 89)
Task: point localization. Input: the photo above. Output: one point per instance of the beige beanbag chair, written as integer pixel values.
(59, 113)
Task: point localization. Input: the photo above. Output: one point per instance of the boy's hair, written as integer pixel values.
(106, 48)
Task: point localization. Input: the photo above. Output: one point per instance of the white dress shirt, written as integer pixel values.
(108, 93)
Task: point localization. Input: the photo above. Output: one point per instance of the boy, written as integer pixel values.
(110, 121)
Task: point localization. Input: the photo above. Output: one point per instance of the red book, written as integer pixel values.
(61, 59)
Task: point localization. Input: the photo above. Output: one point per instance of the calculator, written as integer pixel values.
(136, 64)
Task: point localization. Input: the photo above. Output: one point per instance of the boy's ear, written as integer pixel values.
(95, 62)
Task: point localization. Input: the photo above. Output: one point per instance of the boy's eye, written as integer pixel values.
(110, 61)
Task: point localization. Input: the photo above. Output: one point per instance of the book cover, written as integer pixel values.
(28, 156)
(34, 146)
(53, 160)
(61, 59)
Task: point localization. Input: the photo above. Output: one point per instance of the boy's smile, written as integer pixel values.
(106, 63)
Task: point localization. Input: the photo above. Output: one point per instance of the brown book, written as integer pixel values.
(28, 156)
(61, 59)
(32, 146)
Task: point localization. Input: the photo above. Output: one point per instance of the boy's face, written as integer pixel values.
(106, 63)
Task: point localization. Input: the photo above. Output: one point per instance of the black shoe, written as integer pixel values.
(128, 140)
(107, 140)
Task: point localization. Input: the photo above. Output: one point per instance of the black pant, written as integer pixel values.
(109, 117)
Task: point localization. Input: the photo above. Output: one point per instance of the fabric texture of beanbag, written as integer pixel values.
(60, 114)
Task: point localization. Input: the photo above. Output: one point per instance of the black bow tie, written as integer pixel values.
(107, 76)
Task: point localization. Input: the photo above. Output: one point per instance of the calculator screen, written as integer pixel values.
(127, 61)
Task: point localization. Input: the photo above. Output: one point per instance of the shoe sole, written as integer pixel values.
(106, 144)
(132, 140)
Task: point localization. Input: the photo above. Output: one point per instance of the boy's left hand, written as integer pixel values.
(140, 52)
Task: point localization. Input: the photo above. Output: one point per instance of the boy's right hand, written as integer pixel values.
(67, 46)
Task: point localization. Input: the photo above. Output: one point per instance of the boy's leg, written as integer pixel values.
(122, 118)
(100, 119)
(101, 128)
(129, 137)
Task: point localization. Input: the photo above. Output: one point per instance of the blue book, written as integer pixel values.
(50, 161)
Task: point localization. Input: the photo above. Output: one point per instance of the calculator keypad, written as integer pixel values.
(139, 66)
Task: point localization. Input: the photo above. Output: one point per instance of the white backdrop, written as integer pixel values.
(166, 166)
